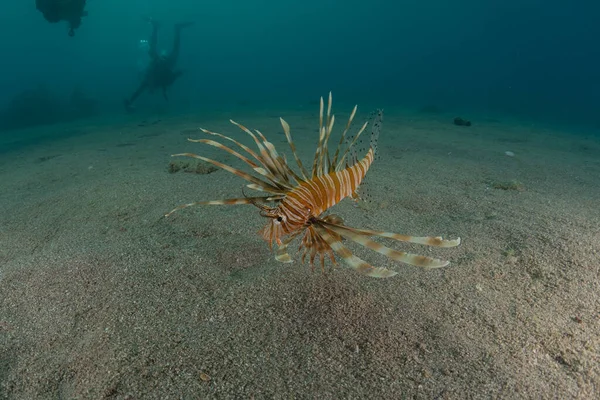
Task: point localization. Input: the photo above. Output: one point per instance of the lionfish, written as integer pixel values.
(299, 199)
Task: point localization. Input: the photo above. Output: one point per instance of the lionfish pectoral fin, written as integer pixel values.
(259, 188)
(242, 146)
(435, 241)
(408, 258)
(269, 156)
(226, 202)
(227, 149)
(353, 261)
(260, 170)
(266, 187)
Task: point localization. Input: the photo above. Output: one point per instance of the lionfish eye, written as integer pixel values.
(279, 219)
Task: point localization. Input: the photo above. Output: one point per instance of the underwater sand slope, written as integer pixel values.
(103, 298)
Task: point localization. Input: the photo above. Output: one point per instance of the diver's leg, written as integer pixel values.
(153, 49)
(138, 92)
(174, 55)
(74, 23)
(129, 102)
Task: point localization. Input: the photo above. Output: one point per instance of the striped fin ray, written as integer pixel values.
(221, 146)
(323, 164)
(260, 170)
(353, 261)
(277, 160)
(342, 163)
(435, 241)
(265, 186)
(274, 180)
(313, 244)
(266, 157)
(315, 167)
(243, 200)
(408, 258)
(291, 172)
(288, 135)
(325, 160)
(343, 137)
(241, 145)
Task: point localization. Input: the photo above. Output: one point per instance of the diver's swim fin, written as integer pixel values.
(128, 106)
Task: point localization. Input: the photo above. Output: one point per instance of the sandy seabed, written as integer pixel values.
(103, 298)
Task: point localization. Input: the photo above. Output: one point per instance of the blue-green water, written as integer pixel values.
(528, 58)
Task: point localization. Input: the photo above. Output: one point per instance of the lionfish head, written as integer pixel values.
(276, 227)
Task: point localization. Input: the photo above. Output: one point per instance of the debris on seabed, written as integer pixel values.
(204, 377)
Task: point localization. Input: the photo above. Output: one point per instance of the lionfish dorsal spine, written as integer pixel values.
(343, 138)
(288, 135)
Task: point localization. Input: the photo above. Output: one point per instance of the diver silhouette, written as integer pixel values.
(63, 10)
(160, 73)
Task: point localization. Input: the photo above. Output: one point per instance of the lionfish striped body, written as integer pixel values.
(301, 199)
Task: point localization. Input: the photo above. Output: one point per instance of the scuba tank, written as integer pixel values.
(143, 58)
